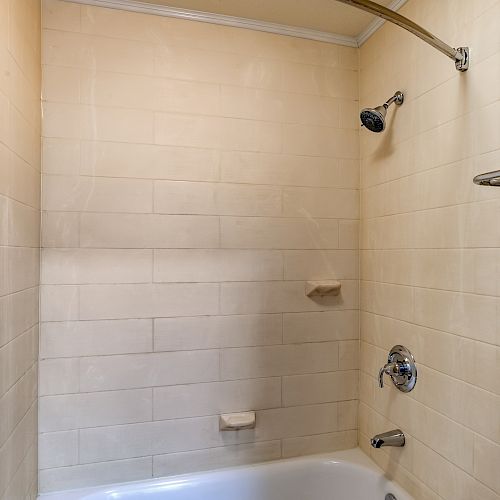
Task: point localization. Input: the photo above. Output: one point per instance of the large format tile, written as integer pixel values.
(195, 176)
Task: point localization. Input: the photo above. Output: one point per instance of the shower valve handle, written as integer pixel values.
(401, 368)
(393, 370)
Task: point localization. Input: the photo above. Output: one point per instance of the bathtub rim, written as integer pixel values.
(354, 456)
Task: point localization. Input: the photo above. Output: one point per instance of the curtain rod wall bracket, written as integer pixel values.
(462, 64)
(459, 55)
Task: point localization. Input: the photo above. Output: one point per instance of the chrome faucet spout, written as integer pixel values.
(390, 438)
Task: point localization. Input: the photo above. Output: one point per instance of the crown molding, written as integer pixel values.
(241, 22)
(377, 23)
(236, 22)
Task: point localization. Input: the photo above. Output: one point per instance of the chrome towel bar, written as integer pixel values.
(488, 179)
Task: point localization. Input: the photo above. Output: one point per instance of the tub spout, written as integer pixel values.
(390, 438)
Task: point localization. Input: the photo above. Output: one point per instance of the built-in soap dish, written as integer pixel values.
(322, 288)
(237, 421)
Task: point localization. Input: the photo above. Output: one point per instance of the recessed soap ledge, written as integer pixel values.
(237, 421)
(322, 288)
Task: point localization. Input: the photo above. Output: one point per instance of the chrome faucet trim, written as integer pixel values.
(393, 369)
(390, 438)
(401, 368)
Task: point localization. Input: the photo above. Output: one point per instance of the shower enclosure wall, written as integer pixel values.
(195, 176)
(19, 245)
(430, 252)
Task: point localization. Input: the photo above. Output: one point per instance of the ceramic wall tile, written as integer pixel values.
(195, 176)
(20, 183)
(429, 277)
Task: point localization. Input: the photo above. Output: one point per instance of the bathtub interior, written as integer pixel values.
(347, 475)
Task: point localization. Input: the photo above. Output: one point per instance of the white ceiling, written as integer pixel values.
(327, 16)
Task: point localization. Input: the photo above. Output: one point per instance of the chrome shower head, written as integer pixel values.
(374, 118)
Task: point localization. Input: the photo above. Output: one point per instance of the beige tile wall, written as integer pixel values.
(19, 244)
(430, 251)
(194, 177)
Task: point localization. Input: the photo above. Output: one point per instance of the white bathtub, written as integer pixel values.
(345, 475)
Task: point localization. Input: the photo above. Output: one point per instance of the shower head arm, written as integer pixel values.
(460, 55)
(397, 98)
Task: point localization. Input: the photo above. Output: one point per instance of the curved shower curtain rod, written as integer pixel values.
(459, 55)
